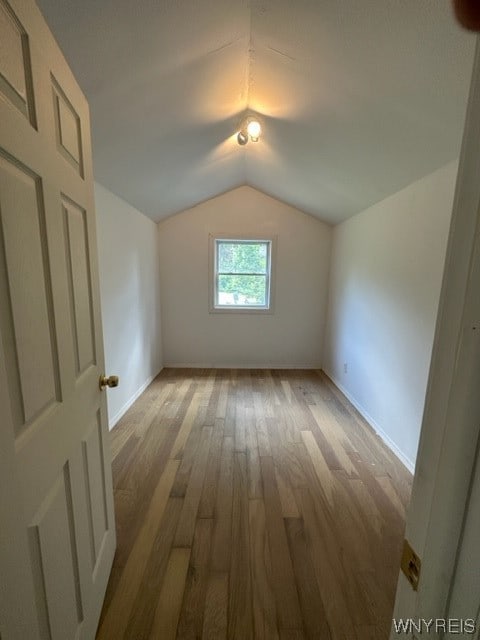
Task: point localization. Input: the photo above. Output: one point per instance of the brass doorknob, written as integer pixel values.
(110, 381)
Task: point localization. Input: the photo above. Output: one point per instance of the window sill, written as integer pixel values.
(242, 310)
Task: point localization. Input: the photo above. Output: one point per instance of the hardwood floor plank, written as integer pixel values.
(123, 457)
(215, 618)
(222, 400)
(291, 424)
(291, 634)
(264, 608)
(125, 501)
(296, 465)
(231, 410)
(386, 484)
(113, 582)
(321, 468)
(283, 581)
(141, 480)
(139, 624)
(185, 428)
(346, 559)
(381, 600)
(367, 505)
(329, 427)
(314, 615)
(140, 415)
(210, 398)
(371, 448)
(132, 476)
(360, 557)
(170, 601)
(141, 476)
(240, 425)
(240, 618)
(263, 441)
(287, 390)
(379, 496)
(328, 573)
(353, 528)
(208, 499)
(270, 400)
(186, 526)
(190, 624)
(255, 486)
(188, 455)
(184, 390)
(152, 412)
(222, 537)
(122, 432)
(285, 491)
(116, 619)
(372, 632)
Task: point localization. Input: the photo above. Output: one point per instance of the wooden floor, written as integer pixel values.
(252, 504)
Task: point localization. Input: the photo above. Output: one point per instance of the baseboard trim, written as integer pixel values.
(210, 365)
(112, 421)
(409, 464)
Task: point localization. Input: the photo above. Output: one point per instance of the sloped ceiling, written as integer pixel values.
(357, 98)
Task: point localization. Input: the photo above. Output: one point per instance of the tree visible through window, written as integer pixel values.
(242, 273)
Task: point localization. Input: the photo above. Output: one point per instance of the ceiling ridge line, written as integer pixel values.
(248, 74)
(250, 52)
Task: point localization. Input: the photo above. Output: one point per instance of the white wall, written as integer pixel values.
(386, 271)
(130, 294)
(293, 334)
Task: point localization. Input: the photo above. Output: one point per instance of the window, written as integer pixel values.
(241, 274)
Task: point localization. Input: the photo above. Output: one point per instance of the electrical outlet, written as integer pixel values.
(345, 367)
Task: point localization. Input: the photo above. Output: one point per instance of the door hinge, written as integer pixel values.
(411, 565)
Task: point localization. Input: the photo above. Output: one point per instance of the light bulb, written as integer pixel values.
(254, 129)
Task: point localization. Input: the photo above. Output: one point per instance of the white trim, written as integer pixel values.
(210, 365)
(394, 448)
(112, 421)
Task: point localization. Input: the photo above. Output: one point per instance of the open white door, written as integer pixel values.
(444, 514)
(57, 535)
(464, 600)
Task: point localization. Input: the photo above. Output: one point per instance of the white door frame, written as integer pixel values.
(451, 421)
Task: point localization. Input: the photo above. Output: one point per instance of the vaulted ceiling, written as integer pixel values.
(357, 98)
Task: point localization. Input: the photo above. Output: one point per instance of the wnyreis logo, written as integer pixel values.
(425, 626)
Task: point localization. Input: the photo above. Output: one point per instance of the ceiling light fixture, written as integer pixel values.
(250, 130)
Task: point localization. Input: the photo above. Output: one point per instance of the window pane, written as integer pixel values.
(241, 291)
(242, 257)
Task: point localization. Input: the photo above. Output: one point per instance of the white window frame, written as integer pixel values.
(213, 273)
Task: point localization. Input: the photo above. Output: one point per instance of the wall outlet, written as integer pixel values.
(345, 367)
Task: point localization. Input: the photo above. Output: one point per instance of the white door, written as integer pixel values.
(446, 483)
(465, 594)
(57, 535)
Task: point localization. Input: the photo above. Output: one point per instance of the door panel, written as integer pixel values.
(15, 78)
(92, 448)
(57, 535)
(27, 314)
(80, 287)
(54, 558)
(67, 128)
